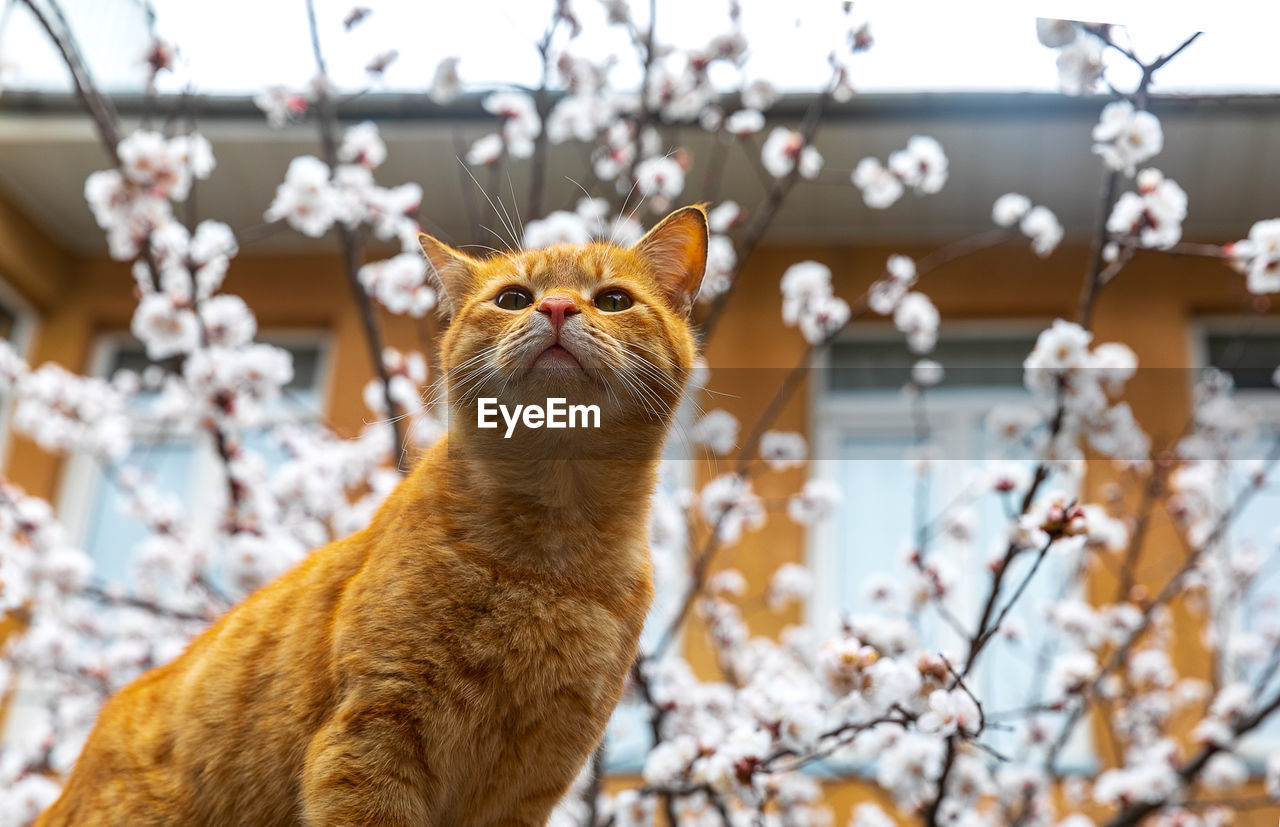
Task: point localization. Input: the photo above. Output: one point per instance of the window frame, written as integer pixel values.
(1255, 748)
(833, 415)
(877, 411)
(77, 493)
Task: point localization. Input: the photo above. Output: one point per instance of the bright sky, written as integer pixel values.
(237, 46)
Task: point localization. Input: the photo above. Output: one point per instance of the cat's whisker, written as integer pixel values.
(506, 219)
(488, 248)
(514, 241)
(498, 236)
(645, 396)
(599, 218)
(639, 203)
(613, 237)
(515, 204)
(459, 374)
(673, 386)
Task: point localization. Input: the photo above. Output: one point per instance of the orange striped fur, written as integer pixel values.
(455, 662)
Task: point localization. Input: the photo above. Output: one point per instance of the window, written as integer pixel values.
(1249, 351)
(185, 464)
(864, 428)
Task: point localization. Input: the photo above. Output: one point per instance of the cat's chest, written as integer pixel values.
(542, 639)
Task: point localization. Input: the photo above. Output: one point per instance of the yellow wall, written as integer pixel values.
(1150, 307)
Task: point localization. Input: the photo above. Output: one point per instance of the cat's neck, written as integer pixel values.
(529, 508)
(579, 473)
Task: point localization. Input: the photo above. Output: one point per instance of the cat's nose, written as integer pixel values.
(558, 308)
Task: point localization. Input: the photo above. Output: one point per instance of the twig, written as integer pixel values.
(764, 215)
(326, 120)
(1017, 593)
(98, 107)
(1166, 593)
(542, 103)
(1135, 813)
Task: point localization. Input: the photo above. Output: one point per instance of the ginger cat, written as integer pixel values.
(454, 663)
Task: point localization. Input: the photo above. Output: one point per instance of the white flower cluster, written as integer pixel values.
(407, 374)
(1081, 62)
(588, 221)
(1125, 136)
(914, 314)
(1223, 428)
(1062, 370)
(786, 150)
(133, 200)
(38, 564)
(281, 104)
(65, 413)
(808, 301)
(717, 429)
(783, 449)
(1153, 215)
(520, 126)
(1037, 223)
(313, 198)
(1258, 257)
(922, 166)
(730, 506)
(861, 696)
(400, 284)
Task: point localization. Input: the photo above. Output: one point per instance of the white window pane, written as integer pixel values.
(110, 535)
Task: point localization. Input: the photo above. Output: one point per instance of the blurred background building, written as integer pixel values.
(63, 299)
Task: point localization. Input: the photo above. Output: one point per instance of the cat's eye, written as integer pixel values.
(514, 298)
(611, 301)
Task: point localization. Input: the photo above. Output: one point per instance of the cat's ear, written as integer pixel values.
(453, 271)
(676, 251)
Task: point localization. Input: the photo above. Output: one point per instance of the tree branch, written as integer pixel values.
(326, 120)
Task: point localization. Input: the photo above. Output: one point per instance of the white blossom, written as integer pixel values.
(724, 216)
(306, 199)
(660, 176)
(1125, 137)
(917, 317)
(782, 449)
(816, 501)
(559, 227)
(1258, 256)
(784, 149)
(744, 122)
(361, 144)
(921, 166)
(1009, 209)
(486, 150)
(729, 504)
(880, 187)
(1153, 214)
(520, 121)
(400, 284)
(1042, 227)
(445, 82)
(166, 328)
(792, 582)
(926, 373)
(1080, 65)
(718, 430)
(281, 105)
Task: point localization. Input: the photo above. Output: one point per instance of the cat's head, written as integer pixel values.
(593, 323)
